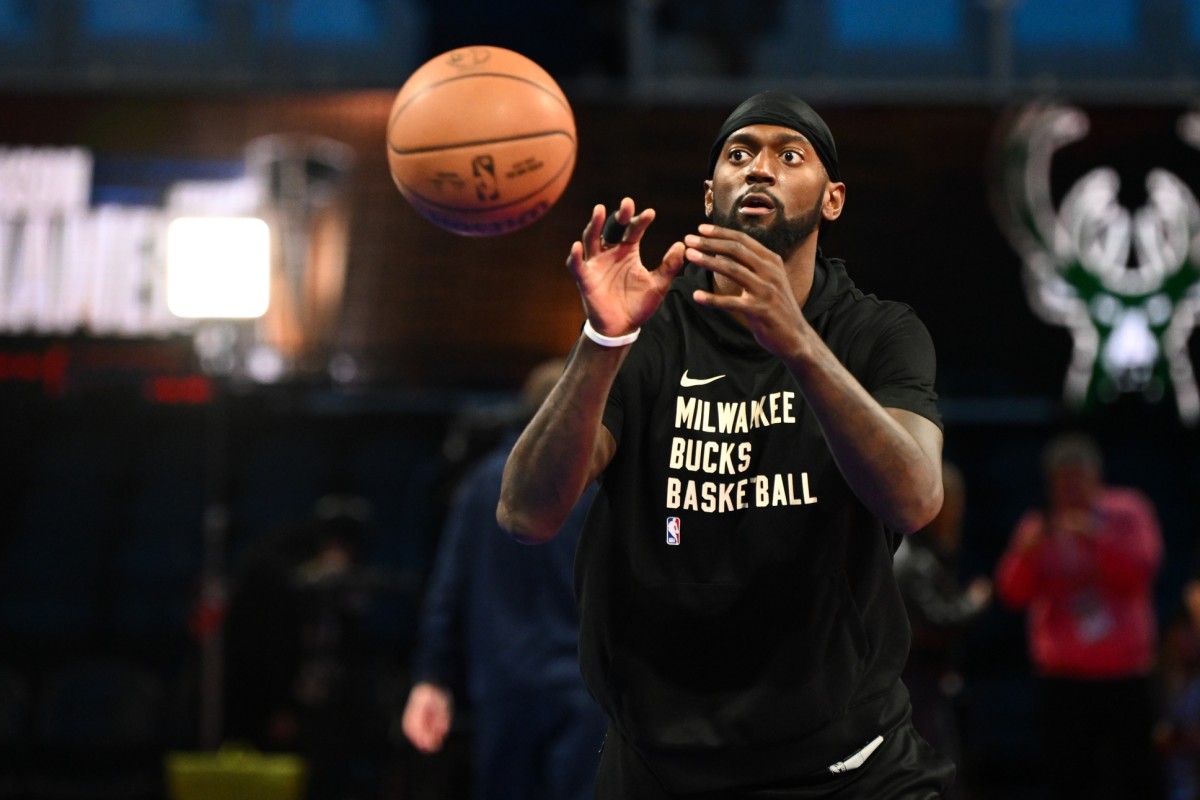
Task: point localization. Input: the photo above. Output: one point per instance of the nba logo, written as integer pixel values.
(672, 530)
(484, 169)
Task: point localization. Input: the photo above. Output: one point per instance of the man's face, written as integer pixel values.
(1074, 486)
(769, 183)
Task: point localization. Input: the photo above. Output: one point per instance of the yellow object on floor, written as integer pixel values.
(235, 772)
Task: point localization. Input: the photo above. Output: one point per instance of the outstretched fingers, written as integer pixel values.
(671, 265)
(727, 259)
(575, 258)
(722, 249)
(637, 226)
(591, 241)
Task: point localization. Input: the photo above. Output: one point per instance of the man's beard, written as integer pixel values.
(784, 236)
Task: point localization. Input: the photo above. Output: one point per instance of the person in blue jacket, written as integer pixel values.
(499, 618)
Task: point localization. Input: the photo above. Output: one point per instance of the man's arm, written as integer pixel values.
(562, 449)
(892, 458)
(439, 656)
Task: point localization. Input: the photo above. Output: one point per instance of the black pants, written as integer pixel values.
(904, 767)
(1097, 739)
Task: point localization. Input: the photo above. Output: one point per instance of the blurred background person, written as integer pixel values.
(940, 607)
(1083, 567)
(1178, 735)
(499, 619)
(297, 668)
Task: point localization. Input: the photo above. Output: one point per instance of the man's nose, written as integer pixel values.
(760, 169)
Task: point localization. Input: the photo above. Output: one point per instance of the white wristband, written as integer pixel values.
(608, 341)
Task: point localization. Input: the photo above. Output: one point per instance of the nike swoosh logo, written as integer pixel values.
(686, 381)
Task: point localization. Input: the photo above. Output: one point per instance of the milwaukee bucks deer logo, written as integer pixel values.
(1126, 283)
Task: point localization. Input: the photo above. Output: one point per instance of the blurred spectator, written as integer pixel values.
(1179, 733)
(939, 609)
(295, 647)
(500, 618)
(1083, 568)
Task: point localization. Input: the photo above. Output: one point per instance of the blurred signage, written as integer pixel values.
(67, 265)
(83, 243)
(1124, 281)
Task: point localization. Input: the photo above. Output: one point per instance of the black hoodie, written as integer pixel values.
(740, 621)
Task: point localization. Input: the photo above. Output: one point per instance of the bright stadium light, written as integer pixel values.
(218, 267)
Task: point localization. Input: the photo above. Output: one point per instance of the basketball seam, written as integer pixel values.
(477, 142)
(556, 95)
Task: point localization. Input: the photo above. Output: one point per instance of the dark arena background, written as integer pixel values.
(141, 468)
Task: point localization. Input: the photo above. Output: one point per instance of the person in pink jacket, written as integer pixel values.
(1083, 569)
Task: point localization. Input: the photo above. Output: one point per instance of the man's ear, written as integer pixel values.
(708, 199)
(835, 200)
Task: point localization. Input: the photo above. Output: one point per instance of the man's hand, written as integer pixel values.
(766, 303)
(427, 716)
(979, 592)
(618, 292)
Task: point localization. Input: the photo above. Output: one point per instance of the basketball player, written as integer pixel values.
(764, 433)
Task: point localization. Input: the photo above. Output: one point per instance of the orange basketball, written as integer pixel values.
(481, 141)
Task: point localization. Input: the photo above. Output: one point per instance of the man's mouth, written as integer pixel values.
(756, 205)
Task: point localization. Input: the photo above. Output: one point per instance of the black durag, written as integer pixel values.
(780, 108)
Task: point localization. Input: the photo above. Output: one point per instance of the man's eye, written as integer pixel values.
(737, 154)
(793, 156)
